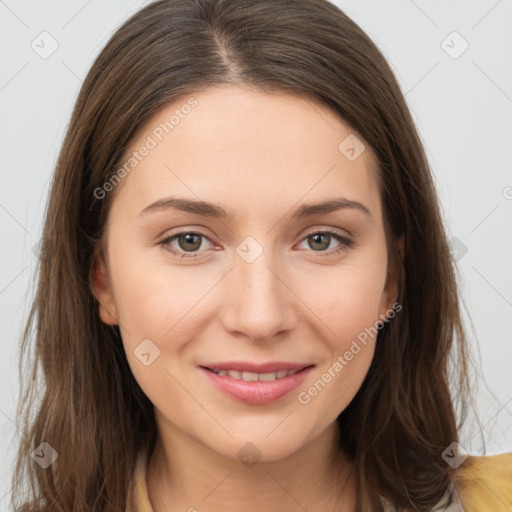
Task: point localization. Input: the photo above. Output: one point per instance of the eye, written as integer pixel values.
(187, 241)
(321, 240)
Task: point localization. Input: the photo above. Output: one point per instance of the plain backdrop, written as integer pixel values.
(453, 61)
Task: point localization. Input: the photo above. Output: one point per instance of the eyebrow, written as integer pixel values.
(207, 209)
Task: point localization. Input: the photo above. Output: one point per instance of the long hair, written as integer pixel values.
(90, 409)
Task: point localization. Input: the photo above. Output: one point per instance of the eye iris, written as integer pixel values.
(316, 237)
(189, 239)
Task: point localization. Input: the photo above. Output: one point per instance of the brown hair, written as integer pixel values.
(92, 410)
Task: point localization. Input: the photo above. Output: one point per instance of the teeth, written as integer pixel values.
(251, 376)
(268, 376)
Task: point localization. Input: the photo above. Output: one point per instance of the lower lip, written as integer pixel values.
(257, 392)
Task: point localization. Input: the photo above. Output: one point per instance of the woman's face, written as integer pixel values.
(262, 284)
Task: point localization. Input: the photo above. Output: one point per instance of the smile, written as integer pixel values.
(251, 376)
(256, 388)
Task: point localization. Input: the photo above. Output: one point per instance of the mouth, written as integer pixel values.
(256, 388)
(255, 376)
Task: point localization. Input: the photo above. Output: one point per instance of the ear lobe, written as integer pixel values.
(99, 284)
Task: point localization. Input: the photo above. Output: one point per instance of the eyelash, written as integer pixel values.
(346, 243)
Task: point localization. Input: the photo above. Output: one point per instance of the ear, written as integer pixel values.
(99, 282)
(394, 277)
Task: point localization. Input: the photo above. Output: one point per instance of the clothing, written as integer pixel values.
(481, 484)
(455, 505)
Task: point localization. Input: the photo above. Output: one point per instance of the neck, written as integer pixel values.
(184, 474)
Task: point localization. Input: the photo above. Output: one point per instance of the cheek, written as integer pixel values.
(149, 296)
(348, 308)
(348, 298)
(160, 310)
(350, 339)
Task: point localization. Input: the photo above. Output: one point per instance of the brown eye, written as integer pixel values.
(187, 242)
(321, 240)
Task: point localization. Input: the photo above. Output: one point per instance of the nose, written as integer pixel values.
(259, 302)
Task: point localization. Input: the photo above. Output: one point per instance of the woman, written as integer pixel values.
(295, 355)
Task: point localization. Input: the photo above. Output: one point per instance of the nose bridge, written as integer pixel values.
(260, 304)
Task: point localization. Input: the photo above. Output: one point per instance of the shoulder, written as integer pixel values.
(484, 483)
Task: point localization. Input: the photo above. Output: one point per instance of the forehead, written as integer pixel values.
(242, 146)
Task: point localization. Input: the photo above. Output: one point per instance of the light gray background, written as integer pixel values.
(463, 110)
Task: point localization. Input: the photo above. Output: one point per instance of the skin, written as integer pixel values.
(260, 156)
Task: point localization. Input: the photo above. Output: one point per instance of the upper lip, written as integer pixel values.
(244, 366)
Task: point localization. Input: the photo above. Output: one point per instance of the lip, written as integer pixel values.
(257, 392)
(246, 366)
